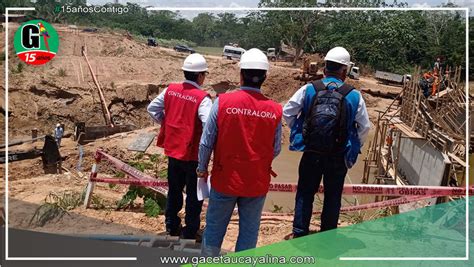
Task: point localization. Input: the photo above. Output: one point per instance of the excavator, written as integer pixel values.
(314, 63)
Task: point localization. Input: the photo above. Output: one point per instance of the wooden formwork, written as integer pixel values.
(439, 119)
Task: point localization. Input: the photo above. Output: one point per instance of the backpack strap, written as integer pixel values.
(345, 89)
(318, 86)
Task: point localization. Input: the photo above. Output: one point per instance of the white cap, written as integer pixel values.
(195, 63)
(58, 125)
(339, 55)
(254, 59)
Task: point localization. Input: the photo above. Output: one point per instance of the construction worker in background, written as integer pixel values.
(58, 134)
(437, 66)
(436, 75)
(329, 123)
(244, 130)
(182, 110)
(426, 82)
(444, 83)
(436, 81)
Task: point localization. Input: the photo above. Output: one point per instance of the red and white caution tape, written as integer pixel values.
(409, 193)
(133, 174)
(135, 182)
(368, 206)
(385, 190)
(349, 189)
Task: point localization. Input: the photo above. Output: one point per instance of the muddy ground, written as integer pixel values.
(131, 74)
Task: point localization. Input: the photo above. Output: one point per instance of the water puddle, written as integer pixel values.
(286, 166)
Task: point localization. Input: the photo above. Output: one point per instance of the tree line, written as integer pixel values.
(384, 40)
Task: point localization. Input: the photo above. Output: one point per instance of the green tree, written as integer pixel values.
(204, 28)
(294, 26)
(13, 3)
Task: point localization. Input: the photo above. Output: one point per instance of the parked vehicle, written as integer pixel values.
(184, 48)
(272, 54)
(388, 77)
(89, 30)
(353, 72)
(152, 42)
(232, 52)
(285, 52)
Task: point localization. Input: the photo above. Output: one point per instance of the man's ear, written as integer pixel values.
(344, 70)
(343, 73)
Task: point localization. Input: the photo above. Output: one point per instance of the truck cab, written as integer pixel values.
(232, 52)
(353, 72)
(271, 54)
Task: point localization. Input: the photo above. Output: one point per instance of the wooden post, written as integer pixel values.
(375, 156)
(107, 116)
(380, 144)
(395, 165)
(90, 186)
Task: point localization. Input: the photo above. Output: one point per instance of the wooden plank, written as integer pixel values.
(407, 131)
(457, 159)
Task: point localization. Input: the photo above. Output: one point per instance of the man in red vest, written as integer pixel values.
(182, 110)
(244, 130)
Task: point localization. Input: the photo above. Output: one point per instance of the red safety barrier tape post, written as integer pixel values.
(91, 183)
(135, 177)
(132, 172)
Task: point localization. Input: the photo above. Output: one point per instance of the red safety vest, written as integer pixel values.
(181, 128)
(246, 122)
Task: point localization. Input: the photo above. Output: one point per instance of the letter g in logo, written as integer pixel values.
(30, 36)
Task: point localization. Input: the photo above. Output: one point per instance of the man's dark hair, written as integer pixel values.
(333, 66)
(191, 76)
(253, 77)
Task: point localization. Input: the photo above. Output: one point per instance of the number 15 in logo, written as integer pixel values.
(36, 42)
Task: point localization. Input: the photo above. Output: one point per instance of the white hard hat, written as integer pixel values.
(339, 55)
(58, 125)
(254, 59)
(195, 63)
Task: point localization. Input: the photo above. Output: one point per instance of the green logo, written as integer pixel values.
(36, 42)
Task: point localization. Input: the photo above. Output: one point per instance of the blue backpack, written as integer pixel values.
(325, 128)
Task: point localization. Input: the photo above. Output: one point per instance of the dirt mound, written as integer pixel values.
(370, 101)
(280, 84)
